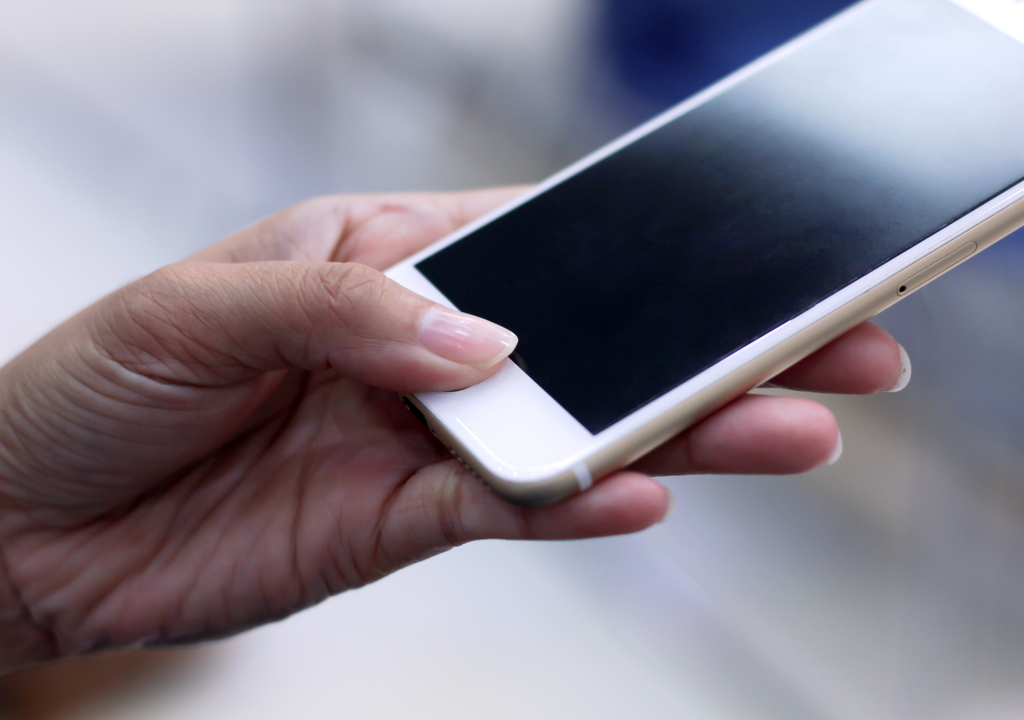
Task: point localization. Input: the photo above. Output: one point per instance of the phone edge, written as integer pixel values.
(812, 338)
(770, 363)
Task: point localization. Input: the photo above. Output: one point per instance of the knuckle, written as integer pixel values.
(449, 503)
(160, 297)
(146, 324)
(307, 231)
(355, 294)
(160, 285)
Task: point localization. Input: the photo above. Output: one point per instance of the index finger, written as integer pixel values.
(374, 230)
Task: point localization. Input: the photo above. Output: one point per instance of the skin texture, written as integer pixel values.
(215, 446)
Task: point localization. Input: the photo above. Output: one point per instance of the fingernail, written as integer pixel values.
(465, 339)
(904, 371)
(837, 452)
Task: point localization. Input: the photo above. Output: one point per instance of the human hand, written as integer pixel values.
(214, 446)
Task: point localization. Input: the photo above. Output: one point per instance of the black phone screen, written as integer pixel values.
(629, 278)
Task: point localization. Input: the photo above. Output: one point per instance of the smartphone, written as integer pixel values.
(705, 252)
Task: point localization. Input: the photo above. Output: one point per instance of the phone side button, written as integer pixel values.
(937, 268)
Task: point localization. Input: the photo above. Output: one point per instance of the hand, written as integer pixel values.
(205, 450)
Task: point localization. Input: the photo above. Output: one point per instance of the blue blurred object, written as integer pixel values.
(666, 50)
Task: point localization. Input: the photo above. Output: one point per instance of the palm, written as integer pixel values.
(252, 531)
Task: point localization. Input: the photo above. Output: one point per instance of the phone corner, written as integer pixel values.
(533, 492)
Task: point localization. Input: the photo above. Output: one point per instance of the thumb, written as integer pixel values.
(212, 324)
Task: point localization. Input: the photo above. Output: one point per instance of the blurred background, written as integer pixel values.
(888, 586)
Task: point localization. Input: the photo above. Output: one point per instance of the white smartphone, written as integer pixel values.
(700, 255)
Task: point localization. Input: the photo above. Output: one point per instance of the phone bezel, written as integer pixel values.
(534, 441)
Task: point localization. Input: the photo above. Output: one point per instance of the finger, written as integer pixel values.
(755, 434)
(865, 360)
(215, 323)
(375, 230)
(444, 506)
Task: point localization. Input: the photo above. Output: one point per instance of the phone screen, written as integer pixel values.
(629, 278)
